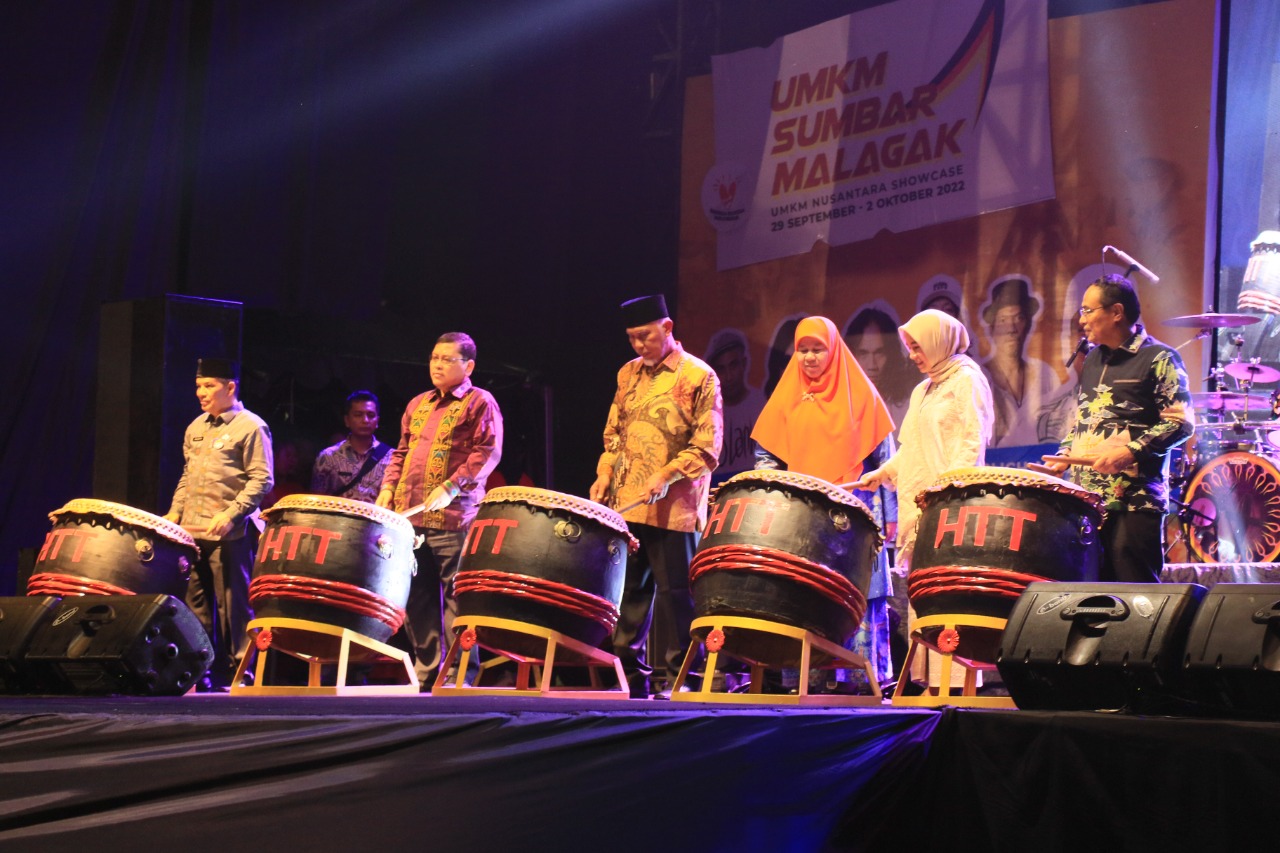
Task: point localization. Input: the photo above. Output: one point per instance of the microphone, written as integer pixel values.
(1080, 347)
(1133, 265)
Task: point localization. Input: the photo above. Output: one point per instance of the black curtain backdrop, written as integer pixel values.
(363, 176)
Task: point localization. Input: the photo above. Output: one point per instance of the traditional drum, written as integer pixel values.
(334, 561)
(787, 548)
(985, 533)
(103, 548)
(547, 559)
(1234, 514)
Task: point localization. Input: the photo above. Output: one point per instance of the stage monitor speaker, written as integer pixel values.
(1233, 651)
(1098, 646)
(147, 354)
(20, 618)
(141, 645)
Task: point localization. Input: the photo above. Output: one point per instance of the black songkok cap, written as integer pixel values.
(644, 310)
(217, 368)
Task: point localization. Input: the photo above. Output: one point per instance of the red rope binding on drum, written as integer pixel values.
(576, 601)
(770, 561)
(340, 596)
(973, 580)
(49, 583)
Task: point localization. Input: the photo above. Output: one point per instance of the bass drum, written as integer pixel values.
(985, 533)
(788, 548)
(334, 561)
(103, 548)
(547, 559)
(1234, 502)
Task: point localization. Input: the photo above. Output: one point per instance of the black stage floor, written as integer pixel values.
(205, 772)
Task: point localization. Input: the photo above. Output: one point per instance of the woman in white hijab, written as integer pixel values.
(948, 425)
(948, 421)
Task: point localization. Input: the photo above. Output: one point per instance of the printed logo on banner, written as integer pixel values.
(726, 192)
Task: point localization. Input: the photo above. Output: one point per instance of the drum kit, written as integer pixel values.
(1225, 485)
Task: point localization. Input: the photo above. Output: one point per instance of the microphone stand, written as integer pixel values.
(1186, 527)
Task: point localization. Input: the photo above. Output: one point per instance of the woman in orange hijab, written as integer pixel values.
(827, 420)
(825, 417)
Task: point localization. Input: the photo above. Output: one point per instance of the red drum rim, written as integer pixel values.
(757, 559)
(802, 481)
(328, 592)
(340, 506)
(547, 499)
(64, 585)
(570, 599)
(127, 514)
(959, 478)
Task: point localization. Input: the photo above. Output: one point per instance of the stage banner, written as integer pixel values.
(1134, 168)
(905, 115)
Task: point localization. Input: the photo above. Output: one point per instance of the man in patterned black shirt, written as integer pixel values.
(353, 468)
(1133, 408)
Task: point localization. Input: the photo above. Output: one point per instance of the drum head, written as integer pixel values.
(1235, 509)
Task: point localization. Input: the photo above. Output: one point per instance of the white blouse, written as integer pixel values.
(948, 425)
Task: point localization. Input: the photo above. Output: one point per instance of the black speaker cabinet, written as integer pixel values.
(1098, 646)
(143, 645)
(20, 618)
(1233, 651)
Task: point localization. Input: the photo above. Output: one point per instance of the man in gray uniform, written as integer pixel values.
(227, 472)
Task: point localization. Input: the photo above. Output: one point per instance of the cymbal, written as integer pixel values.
(1247, 371)
(1213, 321)
(1230, 401)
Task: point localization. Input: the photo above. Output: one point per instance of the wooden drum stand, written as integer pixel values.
(318, 645)
(720, 642)
(559, 650)
(945, 646)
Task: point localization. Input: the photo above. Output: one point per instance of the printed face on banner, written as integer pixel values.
(870, 122)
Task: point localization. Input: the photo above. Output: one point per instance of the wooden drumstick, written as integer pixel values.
(413, 510)
(200, 533)
(1087, 461)
(626, 509)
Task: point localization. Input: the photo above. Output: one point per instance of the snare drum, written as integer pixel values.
(103, 548)
(787, 548)
(1234, 514)
(985, 533)
(334, 561)
(548, 559)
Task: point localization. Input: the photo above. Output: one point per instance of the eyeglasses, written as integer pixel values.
(1085, 312)
(446, 359)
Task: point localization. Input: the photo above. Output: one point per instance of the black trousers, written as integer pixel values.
(218, 594)
(1132, 547)
(431, 609)
(657, 580)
